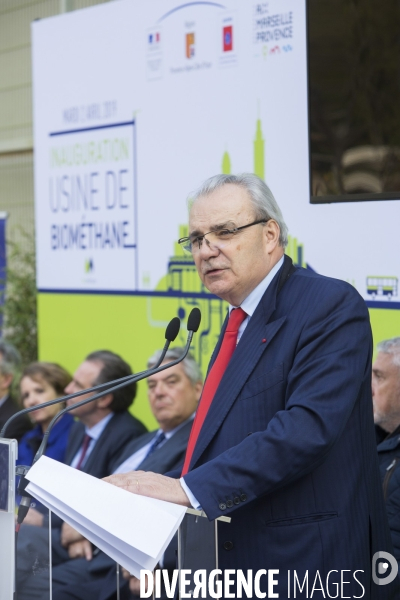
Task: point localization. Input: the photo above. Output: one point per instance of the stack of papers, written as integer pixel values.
(133, 530)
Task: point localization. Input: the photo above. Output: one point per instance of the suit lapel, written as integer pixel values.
(135, 445)
(242, 363)
(281, 278)
(76, 436)
(160, 460)
(102, 444)
(218, 346)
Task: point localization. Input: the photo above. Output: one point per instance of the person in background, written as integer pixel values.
(386, 401)
(97, 439)
(41, 382)
(10, 361)
(103, 427)
(85, 573)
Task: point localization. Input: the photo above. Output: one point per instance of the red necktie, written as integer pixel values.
(228, 346)
(85, 446)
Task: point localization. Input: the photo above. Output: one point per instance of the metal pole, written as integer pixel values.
(118, 590)
(50, 560)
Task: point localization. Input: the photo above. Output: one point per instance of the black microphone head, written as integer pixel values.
(194, 320)
(172, 329)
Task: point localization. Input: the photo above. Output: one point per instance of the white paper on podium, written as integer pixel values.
(133, 530)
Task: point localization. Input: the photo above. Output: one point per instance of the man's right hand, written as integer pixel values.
(134, 582)
(81, 549)
(69, 535)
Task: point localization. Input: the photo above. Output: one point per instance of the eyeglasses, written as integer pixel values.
(192, 244)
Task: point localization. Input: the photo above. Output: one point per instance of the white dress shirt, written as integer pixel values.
(132, 463)
(249, 305)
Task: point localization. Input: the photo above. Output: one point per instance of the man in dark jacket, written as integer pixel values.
(104, 427)
(386, 399)
(173, 396)
(283, 441)
(10, 360)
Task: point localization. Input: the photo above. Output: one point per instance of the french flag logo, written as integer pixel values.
(154, 38)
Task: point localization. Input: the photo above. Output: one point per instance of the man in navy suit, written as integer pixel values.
(287, 447)
(108, 427)
(173, 396)
(106, 423)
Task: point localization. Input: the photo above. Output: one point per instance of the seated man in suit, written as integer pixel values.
(173, 397)
(96, 441)
(10, 361)
(386, 401)
(104, 426)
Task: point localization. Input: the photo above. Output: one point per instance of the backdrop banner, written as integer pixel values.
(135, 103)
(3, 262)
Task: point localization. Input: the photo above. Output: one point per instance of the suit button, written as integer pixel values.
(236, 500)
(228, 546)
(229, 503)
(243, 497)
(222, 506)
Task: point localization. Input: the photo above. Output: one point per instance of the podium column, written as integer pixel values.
(198, 546)
(24, 557)
(8, 455)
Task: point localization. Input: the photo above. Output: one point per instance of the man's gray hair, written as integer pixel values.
(264, 203)
(10, 358)
(391, 347)
(190, 366)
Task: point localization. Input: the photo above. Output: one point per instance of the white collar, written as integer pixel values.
(96, 431)
(169, 434)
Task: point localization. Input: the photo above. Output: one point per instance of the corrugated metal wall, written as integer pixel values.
(16, 142)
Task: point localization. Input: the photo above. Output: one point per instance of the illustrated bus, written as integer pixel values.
(382, 286)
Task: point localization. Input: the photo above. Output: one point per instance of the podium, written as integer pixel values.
(8, 454)
(22, 556)
(198, 548)
(17, 558)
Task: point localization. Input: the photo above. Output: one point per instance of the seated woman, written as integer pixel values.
(41, 382)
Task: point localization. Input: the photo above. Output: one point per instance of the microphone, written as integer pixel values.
(171, 333)
(194, 320)
(192, 326)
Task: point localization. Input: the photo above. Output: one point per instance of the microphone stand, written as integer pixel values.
(138, 377)
(192, 326)
(171, 333)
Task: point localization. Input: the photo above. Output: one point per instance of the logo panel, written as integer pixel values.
(380, 568)
(190, 45)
